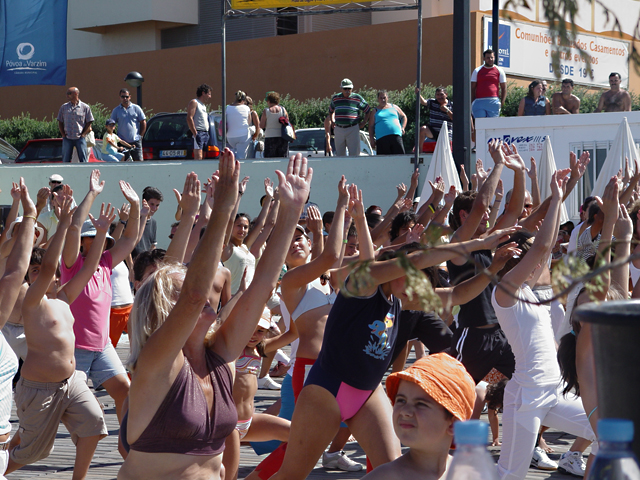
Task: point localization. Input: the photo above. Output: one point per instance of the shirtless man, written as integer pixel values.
(615, 99)
(565, 102)
(50, 389)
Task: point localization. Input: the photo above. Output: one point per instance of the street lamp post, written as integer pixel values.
(135, 79)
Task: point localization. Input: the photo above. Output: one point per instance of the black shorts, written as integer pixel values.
(390, 145)
(481, 349)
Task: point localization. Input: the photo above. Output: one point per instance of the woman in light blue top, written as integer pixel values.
(386, 126)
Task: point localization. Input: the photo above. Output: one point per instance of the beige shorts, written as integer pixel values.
(42, 406)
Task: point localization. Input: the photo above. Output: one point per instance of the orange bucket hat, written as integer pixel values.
(445, 380)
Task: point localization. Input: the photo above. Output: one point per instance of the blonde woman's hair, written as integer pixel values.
(240, 96)
(153, 302)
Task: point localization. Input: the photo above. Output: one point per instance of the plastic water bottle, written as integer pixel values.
(615, 459)
(471, 460)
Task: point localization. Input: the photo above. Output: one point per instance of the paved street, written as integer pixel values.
(107, 460)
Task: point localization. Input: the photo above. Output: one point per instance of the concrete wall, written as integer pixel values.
(376, 176)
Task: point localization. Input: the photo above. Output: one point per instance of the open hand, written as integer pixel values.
(28, 208)
(95, 185)
(623, 229)
(123, 212)
(107, 216)
(402, 189)
(495, 150)
(495, 238)
(314, 220)
(343, 191)
(356, 206)
(225, 181)
(268, 187)
(294, 186)
(128, 192)
(450, 196)
(414, 234)
(64, 210)
(610, 203)
(15, 191)
(190, 198)
(503, 254)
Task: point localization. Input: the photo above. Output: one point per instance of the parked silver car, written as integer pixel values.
(311, 143)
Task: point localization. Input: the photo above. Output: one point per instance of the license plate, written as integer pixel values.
(173, 153)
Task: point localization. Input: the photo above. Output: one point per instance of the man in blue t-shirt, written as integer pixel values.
(131, 122)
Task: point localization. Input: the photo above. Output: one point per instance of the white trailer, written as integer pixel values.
(593, 132)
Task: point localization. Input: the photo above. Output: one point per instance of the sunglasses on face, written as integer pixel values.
(125, 96)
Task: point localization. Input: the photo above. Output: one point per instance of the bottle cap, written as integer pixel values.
(471, 432)
(615, 430)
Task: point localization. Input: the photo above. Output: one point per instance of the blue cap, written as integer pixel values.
(615, 430)
(471, 432)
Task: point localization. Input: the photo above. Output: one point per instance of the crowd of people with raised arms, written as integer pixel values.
(351, 291)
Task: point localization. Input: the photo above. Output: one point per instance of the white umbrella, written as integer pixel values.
(442, 165)
(623, 146)
(546, 167)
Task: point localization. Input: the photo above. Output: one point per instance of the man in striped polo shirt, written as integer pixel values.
(488, 88)
(347, 107)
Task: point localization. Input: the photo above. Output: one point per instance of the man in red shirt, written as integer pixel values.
(488, 88)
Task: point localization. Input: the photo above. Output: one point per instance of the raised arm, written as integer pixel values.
(163, 348)
(256, 248)
(300, 276)
(74, 287)
(622, 232)
(259, 221)
(234, 334)
(535, 188)
(13, 212)
(610, 208)
(539, 251)
(72, 243)
(189, 203)
(469, 289)
(38, 288)
(513, 161)
(18, 260)
(388, 270)
(482, 201)
(314, 223)
(127, 242)
(415, 176)
(203, 219)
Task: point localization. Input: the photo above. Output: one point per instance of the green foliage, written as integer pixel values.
(19, 130)
(307, 114)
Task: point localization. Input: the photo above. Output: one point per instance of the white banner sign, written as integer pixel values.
(525, 50)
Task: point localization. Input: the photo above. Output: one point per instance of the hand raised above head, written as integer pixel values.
(123, 212)
(356, 205)
(225, 181)
(145, 209)
(623, 228)
(128, 192)
(268, 187)
(64, 210)
(95, 185)
(314, 219)
(107, 216)
(343, 189)
(28, 208)
(294, 186)
(15, 191)
(495, 238)
(190, 198)
(610, 202)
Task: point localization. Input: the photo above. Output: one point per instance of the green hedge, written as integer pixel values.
(18, 130)
(303, 114)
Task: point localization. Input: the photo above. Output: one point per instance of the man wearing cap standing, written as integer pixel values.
(131, 122)
(349, 108)
(74, 123)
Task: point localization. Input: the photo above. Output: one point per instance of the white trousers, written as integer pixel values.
(521, 422)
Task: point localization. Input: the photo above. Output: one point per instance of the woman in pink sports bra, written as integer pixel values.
(170, 320)
(251, 426)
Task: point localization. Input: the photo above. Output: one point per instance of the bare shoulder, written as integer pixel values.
(395, 470)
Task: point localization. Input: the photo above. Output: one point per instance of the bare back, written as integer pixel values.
(50, 342)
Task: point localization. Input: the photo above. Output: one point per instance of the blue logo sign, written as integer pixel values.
(33, 42)
(504, 39)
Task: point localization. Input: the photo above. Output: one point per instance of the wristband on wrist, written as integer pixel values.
(433, 210)
(30, 216)
(123, 222)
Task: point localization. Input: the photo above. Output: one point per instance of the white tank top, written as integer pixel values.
(238, 120)
(120, 285)
(200, 117)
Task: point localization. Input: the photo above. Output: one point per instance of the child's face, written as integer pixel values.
(110, 128)
(419, 421)
(257, 337)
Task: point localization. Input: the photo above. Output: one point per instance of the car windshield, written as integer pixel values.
(308, 139)
(167, 127)
(41, 151)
